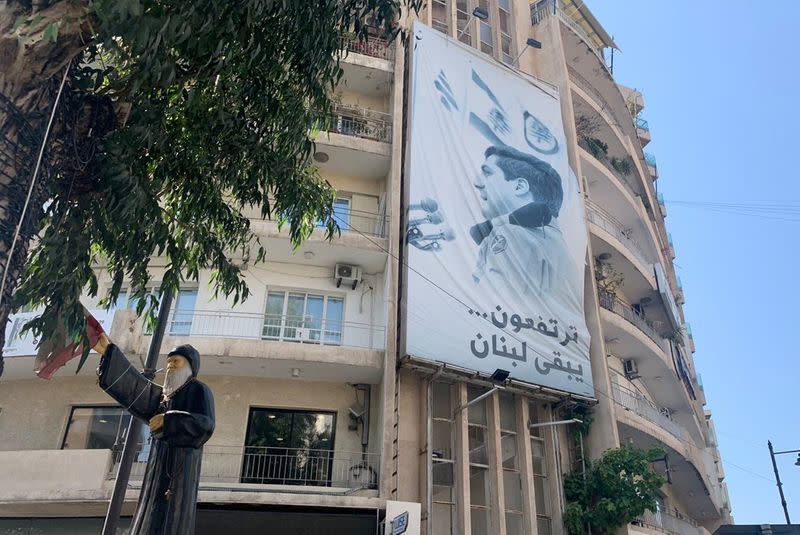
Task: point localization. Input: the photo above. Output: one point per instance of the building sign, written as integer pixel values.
(495, 236)
(402, 518)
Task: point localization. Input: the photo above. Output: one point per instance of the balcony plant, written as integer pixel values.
(622, 165)
(613, 490)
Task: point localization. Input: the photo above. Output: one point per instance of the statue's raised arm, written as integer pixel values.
(123, 382)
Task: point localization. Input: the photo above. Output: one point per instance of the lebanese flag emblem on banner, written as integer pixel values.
(57, 350)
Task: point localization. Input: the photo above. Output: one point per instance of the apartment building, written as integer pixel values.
(326, 423)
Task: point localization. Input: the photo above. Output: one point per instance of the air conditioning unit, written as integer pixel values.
(631, 370)
(347, 274)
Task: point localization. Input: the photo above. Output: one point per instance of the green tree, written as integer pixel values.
(174, 116)
(617, 488)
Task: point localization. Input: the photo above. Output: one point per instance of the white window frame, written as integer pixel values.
(324, 329)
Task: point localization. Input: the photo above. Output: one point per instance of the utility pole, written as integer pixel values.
(772, 455)
(135, 426)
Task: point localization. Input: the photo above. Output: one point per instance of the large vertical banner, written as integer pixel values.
(495, 237)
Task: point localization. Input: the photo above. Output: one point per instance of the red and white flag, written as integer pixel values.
(57, 350)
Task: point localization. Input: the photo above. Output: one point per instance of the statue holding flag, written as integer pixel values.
(181, 418)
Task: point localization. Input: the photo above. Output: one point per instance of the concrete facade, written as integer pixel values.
(421, 447)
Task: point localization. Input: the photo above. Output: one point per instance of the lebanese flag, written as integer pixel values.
(57, 350)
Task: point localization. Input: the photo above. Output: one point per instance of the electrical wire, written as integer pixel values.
(766, 210)
(597, 389)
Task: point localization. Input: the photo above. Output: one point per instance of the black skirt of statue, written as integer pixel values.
(169, 490)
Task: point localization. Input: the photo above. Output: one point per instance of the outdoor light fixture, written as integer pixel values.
(478, 13)
(772, 454)
(500, 376)
(533, 43)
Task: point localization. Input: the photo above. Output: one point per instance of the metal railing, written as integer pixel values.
(375, 47)
(670, 522)
(602, 219)
(610, 302)
(263, 465)
(306, 329)
(359, 122)
(349, 220)
(545, 8)
(650, 159)
(641, 124)
(640, 405)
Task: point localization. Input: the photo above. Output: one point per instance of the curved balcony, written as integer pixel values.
(643, 407)
(669, 521)
(597, 216)
(610, 302)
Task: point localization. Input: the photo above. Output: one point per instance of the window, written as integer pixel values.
(443, 459)
(286, 447)
(303, 317)
(487, 43)
(440, 16)
(102, 428)
(504, 13)
(183, 308)
(464, 22)
(480, 510)
(539, 462)
(512, 478)
(341, 213)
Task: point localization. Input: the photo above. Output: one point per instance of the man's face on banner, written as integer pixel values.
(498, 195)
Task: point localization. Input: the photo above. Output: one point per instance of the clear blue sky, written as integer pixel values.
(722, 89)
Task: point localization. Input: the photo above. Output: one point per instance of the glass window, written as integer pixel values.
(443, 459)
(463, 22)
(287, 447)
(183, 313)
(102, 428)
(303, 317)
(512, 478)
(486, 38)
(479, 461)
(440, 16)
(341, 213)
(540, 475)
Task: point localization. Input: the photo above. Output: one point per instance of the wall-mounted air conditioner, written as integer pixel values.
(347, 274)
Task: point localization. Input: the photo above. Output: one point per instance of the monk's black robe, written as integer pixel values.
(169, 490)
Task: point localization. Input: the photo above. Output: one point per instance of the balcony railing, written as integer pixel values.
(360, 122)
(312, 330)
(640, 405)
(669, 522)
(375, 47)
(602, 219)
(650, 159)
(610, 302)
(641, 124)
(235, 466)
(545, 8)
(349, 220)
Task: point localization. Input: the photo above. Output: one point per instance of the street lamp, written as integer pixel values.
(772, 455)
(478, 13)
(533, 43)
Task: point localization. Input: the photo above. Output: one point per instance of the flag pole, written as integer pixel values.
(135, 426)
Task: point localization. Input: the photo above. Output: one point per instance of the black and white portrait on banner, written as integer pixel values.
(495, 236)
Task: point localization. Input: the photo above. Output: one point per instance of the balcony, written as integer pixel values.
(669, 522)
(609, 301)
(642, 130)
(374, 47)
(305, 330)
(355, 142)
(360, 122)
(350, 220)
(643, 407)
(652, 167)
(270, 469)
(598, 216)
